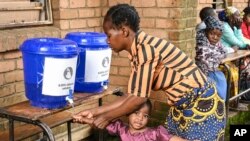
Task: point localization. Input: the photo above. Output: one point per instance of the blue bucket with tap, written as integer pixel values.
(49, 66)
(93, 62)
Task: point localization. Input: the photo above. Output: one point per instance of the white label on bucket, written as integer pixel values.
(97, 65)
(58, 76)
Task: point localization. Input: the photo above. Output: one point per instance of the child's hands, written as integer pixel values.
(84, 117)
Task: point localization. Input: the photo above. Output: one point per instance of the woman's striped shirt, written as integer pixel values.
(159, 65)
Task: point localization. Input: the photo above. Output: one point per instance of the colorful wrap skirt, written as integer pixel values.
(199, 115)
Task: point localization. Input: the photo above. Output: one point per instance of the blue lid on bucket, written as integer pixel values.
(87, 39)
(49, 46)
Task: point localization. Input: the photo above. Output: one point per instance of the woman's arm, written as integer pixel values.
(99, 110)
(234, 38)
(130, 104)
(111, 106)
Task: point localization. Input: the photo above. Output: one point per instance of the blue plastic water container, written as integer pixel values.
(49, 66)
(93, 62)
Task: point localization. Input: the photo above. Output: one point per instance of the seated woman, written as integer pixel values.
(232, 37)
(209, 52)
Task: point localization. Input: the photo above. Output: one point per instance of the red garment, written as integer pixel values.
(245, 30)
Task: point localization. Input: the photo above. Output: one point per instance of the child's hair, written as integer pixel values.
(148, 104)
(123, 14)
(206, 11)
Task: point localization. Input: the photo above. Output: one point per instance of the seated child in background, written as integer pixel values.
(204, 13)
(137, 130)
(210, 52)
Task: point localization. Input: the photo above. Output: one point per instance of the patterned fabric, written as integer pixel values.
(150, 134)
(234, 79)
(200, 115)
(213, 23)
(157, 64)
(200, 26)
(231, 10)
(208, 56)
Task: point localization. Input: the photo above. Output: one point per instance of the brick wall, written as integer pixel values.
(173, 20)
(77, 15)
(201, 4)
(240, 4)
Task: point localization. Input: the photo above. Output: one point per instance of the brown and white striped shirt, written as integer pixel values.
(159, 65)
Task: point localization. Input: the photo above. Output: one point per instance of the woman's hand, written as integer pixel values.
(248, 47)
(102, 121)
(235, 48)
(237, 23)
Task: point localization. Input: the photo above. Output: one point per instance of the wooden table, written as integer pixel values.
(44, 118)
(236, 55)
(240, 54)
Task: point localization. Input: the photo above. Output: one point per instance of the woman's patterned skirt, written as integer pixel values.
(199, 115)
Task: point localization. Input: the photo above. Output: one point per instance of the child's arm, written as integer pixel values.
(114, 127)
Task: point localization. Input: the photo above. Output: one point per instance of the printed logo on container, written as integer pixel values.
(97, 65)
(68, 73)
(105, 62)
(58, 76)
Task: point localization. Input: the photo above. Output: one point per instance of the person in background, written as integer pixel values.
(209, 52)
(204, 13)
(232, 37)
(196, 110)
(245, 65)
(245, 26)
